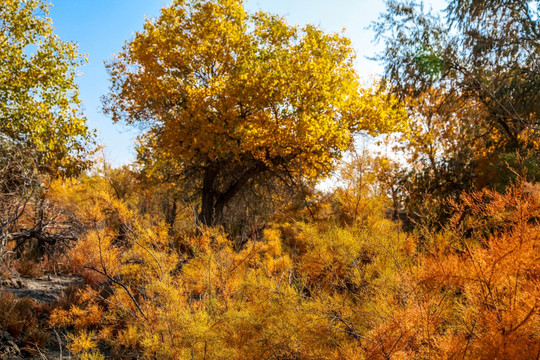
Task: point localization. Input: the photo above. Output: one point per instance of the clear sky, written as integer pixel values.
(101, 27)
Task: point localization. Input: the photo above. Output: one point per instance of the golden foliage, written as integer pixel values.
(299, 290)
(230, 96)
(319, 290)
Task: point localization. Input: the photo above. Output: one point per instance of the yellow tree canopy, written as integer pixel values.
(222, 90)
(39, 103)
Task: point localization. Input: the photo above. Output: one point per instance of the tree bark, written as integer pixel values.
(213, 201)
(206, 216)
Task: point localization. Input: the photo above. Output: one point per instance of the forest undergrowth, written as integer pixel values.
(301, 287)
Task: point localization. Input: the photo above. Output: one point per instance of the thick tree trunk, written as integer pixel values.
(170, 214)
(213, 201)
(206, 216)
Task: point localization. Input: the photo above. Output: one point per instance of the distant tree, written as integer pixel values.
(485, 51)
(444, 145)
(39, 102)
(470, 83)
(232, 97)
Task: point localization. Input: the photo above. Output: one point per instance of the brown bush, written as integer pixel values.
(20, 318)
(28, 268)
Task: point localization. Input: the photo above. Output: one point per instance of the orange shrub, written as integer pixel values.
(475, 294)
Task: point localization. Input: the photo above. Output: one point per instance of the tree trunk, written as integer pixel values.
(213, 201)
(206, 216)
(170, 214)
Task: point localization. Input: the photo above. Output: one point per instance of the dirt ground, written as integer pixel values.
(48, 288)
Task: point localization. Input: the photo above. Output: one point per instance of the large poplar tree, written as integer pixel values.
(231, 96)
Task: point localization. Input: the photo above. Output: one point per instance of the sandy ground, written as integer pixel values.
(48, 288)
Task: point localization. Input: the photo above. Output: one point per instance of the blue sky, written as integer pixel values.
(101, 27)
